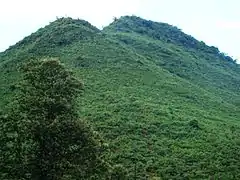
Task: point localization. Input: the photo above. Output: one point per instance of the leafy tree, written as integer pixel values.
(49, 139)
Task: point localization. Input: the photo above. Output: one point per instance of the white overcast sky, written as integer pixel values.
(216, 22)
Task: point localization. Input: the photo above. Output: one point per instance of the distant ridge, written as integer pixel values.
(163, 32)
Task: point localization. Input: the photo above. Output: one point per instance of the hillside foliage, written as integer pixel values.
(167, 104)
(42, 136)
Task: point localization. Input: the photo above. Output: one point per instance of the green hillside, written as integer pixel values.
(167, 104)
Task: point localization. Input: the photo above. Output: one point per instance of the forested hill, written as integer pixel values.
(177, 52)
(167, 104)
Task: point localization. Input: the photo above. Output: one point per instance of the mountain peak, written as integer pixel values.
(163, 32)
(70, 21)
(61, 32)
(156, 30)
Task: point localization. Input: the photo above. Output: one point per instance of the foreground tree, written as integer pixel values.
(52, 143)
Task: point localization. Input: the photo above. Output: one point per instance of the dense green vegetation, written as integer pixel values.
(42, 137)
(167, 104)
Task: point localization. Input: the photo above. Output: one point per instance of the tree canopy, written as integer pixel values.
(43, 137)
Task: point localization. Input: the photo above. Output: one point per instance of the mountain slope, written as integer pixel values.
(180, 54)
(167, 108)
